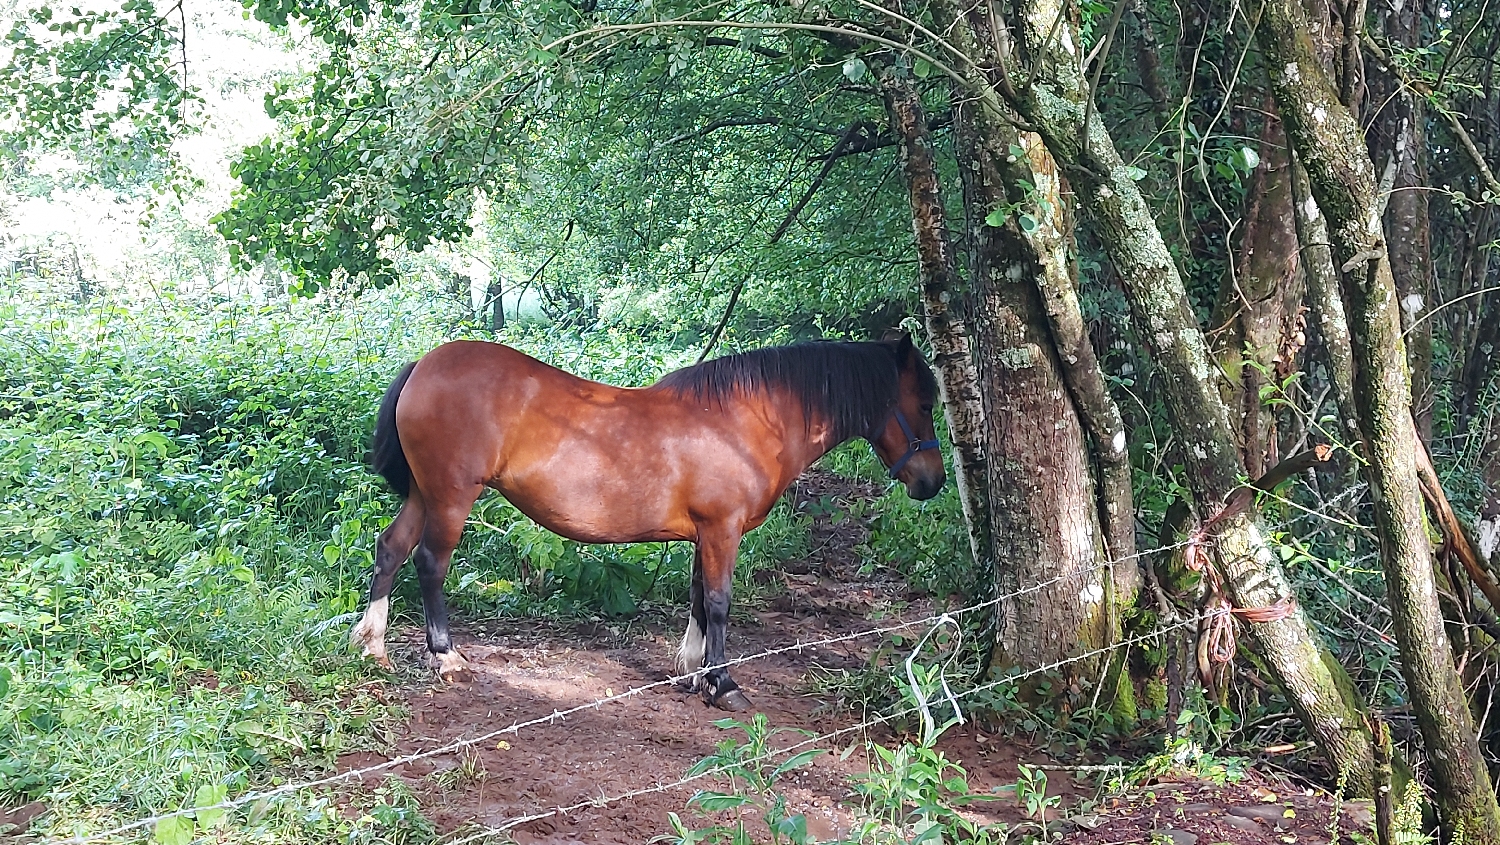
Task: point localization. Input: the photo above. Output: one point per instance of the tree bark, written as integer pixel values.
(1326, 297)
(1342, 179)
(1055, 104)
(1148, 56)
(1057, 282)
(494, 297)
(1258, 304)
(1044, 523)
(941, 288)
(1045, 507)
(1397, 140)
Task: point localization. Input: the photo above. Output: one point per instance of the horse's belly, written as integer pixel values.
(601, 515)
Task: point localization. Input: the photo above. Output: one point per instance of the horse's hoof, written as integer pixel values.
(732, 700)
(458, 675)
(451, 667)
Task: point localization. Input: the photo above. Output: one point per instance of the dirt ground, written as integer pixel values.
(526, 669)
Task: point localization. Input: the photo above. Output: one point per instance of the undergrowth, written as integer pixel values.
(186, 528)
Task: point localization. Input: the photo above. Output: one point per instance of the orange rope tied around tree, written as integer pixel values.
(1216, 637)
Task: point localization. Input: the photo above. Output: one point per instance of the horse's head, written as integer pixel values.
(906, 443)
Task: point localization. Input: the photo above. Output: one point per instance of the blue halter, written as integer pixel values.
(913, 445)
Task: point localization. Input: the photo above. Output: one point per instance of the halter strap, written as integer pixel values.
(913, 445)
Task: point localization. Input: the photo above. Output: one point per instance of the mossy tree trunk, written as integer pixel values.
(1342, 179)
(1255, 318)
(1039, 492)
(1397, 143)
(1055, 103)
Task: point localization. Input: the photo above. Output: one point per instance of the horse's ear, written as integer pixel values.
(904, 347)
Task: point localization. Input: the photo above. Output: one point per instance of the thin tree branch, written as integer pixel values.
(870, 143)
(732, 122)
(734, 299)
(1103, 51)
(768, 52)
(1485, 174)
(855, 130)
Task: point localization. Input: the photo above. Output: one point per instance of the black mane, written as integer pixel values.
(850, 385)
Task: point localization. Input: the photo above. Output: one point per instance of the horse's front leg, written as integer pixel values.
(716, 561)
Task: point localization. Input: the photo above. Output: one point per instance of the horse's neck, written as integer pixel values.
(818, 441)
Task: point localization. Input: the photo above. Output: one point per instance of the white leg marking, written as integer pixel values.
(690, 653)
(370, 632)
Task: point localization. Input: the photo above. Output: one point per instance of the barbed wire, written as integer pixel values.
(555, 715)
(863, 725)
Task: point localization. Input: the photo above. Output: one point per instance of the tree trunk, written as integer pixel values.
(1258, 304)
(1342, 179)
(1045, 508)
(941, 288)
(1040, 493)
(1488, 526)
(1397, 140)
(494, 296)
(1483, 351)
(1055, 104)
(1326, 297)
(1057, 282)
(1148, 58)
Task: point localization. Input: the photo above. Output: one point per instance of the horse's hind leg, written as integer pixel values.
(440, 536)
(690, 653)
(392, 549)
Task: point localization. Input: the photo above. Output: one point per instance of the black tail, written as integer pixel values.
(386, 456)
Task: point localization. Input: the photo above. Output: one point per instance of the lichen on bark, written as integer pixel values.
(1328, 140)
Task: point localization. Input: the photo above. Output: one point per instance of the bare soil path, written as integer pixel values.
(530, 668)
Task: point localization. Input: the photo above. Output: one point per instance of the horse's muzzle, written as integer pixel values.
(924, 488)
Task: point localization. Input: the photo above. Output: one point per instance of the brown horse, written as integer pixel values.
(701, 455)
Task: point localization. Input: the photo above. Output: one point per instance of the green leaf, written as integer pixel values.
(797, 760)
(208, 796)
(1250, 157)
(1136, 174)
(855, 69)
(712, 801)
(921, 68)
(5, 677)
(331, 554)
(174, 830)
(793, 828)
(932, 832)
(996, 218)
(1028, 223)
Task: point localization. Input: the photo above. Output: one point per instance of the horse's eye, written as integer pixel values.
(927, 409)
